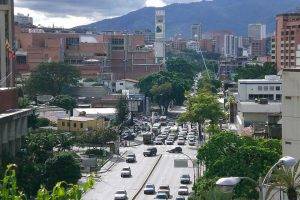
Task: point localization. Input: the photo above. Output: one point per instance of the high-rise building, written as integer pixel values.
(287, 39)
(25, 20)
(257, 31)
(230, 46)
(160, 35)
(196, 32)
(6, 43)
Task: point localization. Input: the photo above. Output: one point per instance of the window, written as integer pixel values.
(63, 124)
(288, 97)
(278, 97)
(271, 88)
(81, 125)
(277, 88)
(68, 124)
(121, 83)
(266, 88)
(259, 88)
(74, 124)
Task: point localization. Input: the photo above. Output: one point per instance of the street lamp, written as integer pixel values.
(227, 184)
(192, 164)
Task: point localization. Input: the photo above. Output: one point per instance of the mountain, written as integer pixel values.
(214, 15)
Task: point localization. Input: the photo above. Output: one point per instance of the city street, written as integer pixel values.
(164, 173)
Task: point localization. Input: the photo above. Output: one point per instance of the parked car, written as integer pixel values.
(164, 189)
(183, 190)
(175, 150)
(121, 195)
(126, 172)
(149, 189)
(151, 151)
(161, 196)
(130, 158)
(185, 179)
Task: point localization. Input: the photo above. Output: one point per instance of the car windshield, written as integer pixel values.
(185, 176)
(183, 187)
(164, 187)
(149, 186)
(161, 196)
(120, 192)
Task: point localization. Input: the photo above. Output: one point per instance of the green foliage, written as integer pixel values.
(209, 83)
(23, 102)
(42, 122)
(62, 167)
(64, 101)
(100, 153)
(122, 110)
(51, 78)
(162, 95)
(226, 154)
(181, 66)
(256, 71)
(202, 106)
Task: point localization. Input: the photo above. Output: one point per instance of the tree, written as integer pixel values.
(52, 78)
(209, 83)
(162, 94)
(256, 71)
(203, 106)
(287, 179)
(122, 110)
(64, 101)
(227, 154)
(181, 66)
(63, 166)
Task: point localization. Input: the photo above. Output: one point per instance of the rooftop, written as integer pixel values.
(267, 79)
(252, 107)
(80, 119)
(14, 112)
(95, 111)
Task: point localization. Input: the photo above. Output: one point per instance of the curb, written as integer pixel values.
(111, 166)
(141, 188)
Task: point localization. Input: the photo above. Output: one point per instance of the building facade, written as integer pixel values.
(24, 20)
(160, 36)
(287, 38)
(77, 124)
(257, 31)
(6, 43)
(196, 32)
(230, 46)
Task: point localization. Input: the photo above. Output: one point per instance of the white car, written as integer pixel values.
(158, 141)
(181, 141)
(183, 190)
(126, 172)
(121, 195)
(192, 142)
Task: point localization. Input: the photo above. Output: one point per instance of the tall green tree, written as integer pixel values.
(209, 83)
(52, 79)
(64, 101)
(256, 71)
(200, 107)
(162, 94)
(181, 66)
(122, 110)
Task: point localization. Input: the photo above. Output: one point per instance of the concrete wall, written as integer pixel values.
(8, 99)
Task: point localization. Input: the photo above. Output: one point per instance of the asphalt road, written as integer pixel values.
(164, 173)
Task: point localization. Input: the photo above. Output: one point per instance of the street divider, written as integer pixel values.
(149, 175)
(114, 163)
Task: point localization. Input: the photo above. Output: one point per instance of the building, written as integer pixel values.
(291, 112)
(230, 46)
(192, 45)
(81, 123)
(196, 32)
(129, 85)
(257, 31)
(108, 113)
(273, 49)
(218, 38)
(287, 38)
(148, 35)
(6, 43)
(24, 20)
(257, 48)
(160, 36)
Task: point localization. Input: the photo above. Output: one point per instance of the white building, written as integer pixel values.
(129, 85)
(251, 89)
(196, 31)
(298, 56)
(160, 36)
(291, 112)
(230, 46)
(23, 19)
(192, 45)
(109, 113)
(257, 31)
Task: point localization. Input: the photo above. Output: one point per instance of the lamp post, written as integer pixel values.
(192, 164)
(227, 184)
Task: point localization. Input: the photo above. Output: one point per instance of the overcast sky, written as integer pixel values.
(70, 13)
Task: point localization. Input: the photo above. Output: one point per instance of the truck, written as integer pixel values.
(148, 138)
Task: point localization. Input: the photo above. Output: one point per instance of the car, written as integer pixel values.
(180, 198)
(161, 196)
(126, 172)
(192, 142)
(158, 141)
(181, 141)
(130, 158)
(183, 190)
(149, 189)
(164, 189)
(163, 136)
(169, 141)
(121, 195)
(175, 150)
(185, 179)
(151, 151)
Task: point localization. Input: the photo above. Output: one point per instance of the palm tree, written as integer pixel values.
(287, 180)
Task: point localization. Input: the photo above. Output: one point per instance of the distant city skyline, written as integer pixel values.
(67, 14)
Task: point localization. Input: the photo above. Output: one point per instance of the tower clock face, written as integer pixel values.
(158, 29)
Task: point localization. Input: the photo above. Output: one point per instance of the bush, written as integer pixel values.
(42, 122)
(97, 152)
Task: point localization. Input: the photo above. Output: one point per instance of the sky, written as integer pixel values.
(70, 13)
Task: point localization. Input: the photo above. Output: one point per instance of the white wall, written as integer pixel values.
(126, 85)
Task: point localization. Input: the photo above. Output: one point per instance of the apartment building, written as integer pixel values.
(287, 38)
(196, 32)
(257, 31)
(230, 46)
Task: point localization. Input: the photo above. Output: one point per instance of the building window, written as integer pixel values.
(74, 124)
(266, 88)
(63, 124)
(271, 88)
(259, 88)
(81, 125)
(288, 97)
(121, 83)
(278, 97)
(277, 88)
(68, 124)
